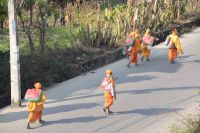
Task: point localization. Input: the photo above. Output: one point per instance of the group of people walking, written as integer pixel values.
(35, 108)
(141, 45)
(135, 47)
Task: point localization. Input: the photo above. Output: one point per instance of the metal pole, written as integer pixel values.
(14, 55)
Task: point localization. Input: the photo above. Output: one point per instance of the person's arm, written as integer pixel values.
(113, 91)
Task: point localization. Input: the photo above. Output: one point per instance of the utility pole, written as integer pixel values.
(14, 55)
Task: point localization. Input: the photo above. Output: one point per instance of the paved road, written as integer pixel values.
(150, 97)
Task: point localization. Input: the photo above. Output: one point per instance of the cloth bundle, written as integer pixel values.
(168, 42)
(33, 95)
(148, 40)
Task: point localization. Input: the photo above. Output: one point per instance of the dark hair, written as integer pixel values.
(174, 29)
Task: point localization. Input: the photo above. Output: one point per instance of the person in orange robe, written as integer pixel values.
(135, 48)
(145, 50)
(108, 84)
(35, 108)
(175, 48)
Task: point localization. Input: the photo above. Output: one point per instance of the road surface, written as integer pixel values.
(150, 97)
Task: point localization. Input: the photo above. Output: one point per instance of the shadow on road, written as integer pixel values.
(77, 120)
(14, 116)
(138, 91)
(159, 63)
(151, 111)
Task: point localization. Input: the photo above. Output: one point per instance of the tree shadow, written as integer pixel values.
(195, 61)
(185, 56)
(131, 79)
(70, 120)
(150, 111)
(69, 107)
(145, 91)
(14, 116)
(159, 63)
(75, 120)
(131, 91)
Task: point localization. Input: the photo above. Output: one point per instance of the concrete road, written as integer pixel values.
(150, 97)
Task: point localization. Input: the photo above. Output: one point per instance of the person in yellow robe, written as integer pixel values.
(136, 48)
(35, 108)
(145, 51)
(137, 41)
(175, 48)
(108, 84)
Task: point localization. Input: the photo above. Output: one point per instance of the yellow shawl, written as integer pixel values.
(176, 41)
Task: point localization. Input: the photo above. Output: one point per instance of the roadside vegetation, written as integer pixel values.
(50, 50)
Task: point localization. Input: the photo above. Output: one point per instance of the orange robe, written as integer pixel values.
(176, 48)
(133, 56)
(172, 54)
(35, 109)
(137, 45)
(108, 99)
(145, 51)
(135, 50)
(109, 94)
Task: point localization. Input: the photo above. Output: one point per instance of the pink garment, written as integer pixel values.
(148, 40)
(107, 85)
(33, 95)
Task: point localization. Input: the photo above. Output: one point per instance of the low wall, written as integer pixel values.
(116, 55)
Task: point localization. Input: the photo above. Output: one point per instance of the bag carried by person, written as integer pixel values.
(148, 40)
(168, 42)
(33, 95)
(130, 43)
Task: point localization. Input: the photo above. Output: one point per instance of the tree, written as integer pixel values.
(3, 12)
(44, 11)
(25, 13)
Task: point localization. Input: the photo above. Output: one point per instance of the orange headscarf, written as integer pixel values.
(132, 34)
(108, 72)
(147, 32)
(38, 85)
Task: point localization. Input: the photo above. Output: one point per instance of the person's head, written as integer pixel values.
(132, 34)
(137, 33)
(108, 72)
(174, 31)
(38, 85)
(147, 32)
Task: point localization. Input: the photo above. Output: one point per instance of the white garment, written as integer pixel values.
(108, 87)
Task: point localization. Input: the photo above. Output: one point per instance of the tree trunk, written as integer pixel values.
(32, 48)
(42, 38)
(1, 24)
(173, 8)
(155, 9)
(42, 30)
(31, 15)
(179, 9)
(143, 10)
(55, 20)
(27, 31)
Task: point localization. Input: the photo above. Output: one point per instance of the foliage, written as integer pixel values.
(49, 51)
(3, 11)
(188, 125)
